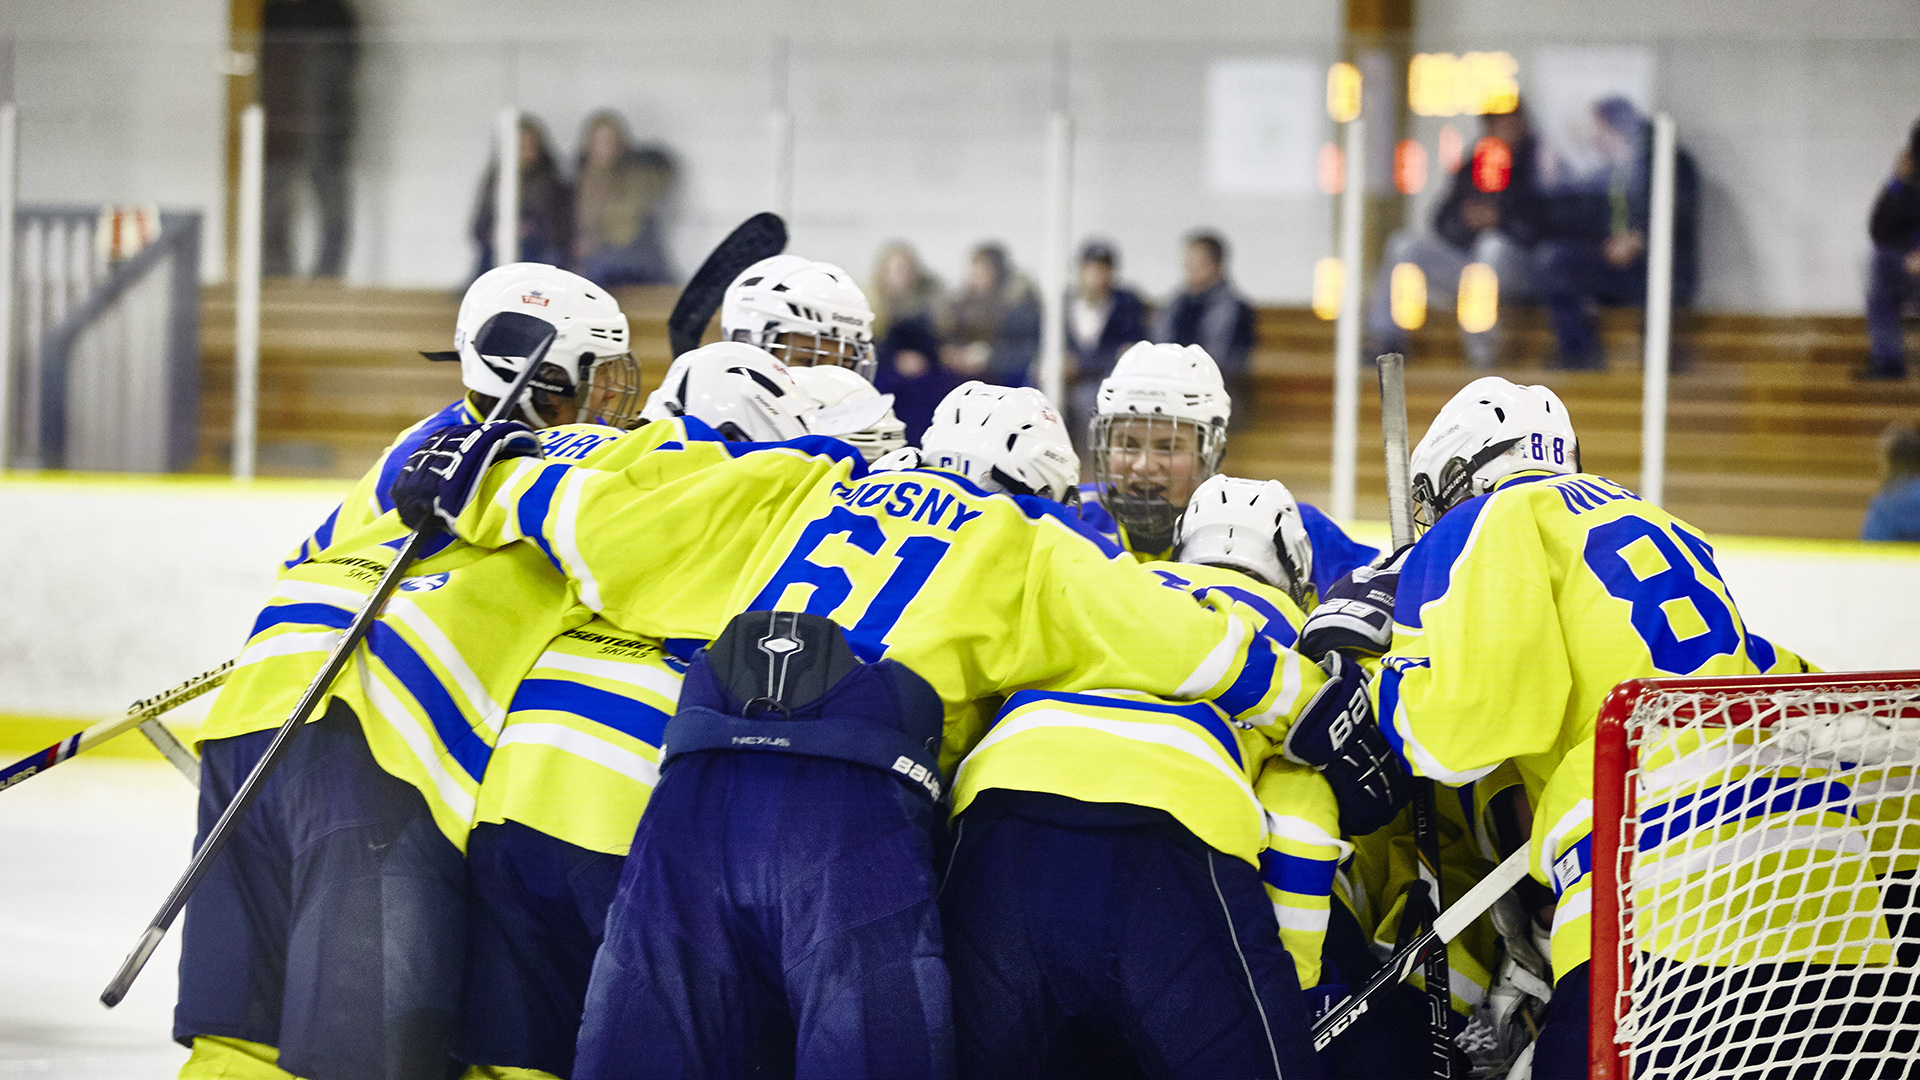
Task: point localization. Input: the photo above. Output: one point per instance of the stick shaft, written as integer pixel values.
(171, 748)
(1447, 927)
(138, 713)
(1393, 424)
(322, 684)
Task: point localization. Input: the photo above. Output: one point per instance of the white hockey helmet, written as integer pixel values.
(736, 389)
(1490, 430)
(1253, 526)
(803, 312)
(1003, 438)
(851, 410)
(589, 364)
(1159, 430)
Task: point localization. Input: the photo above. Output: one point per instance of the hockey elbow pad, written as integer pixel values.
(1338, 736)
(439, 478)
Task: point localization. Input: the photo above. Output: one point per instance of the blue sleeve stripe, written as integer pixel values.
(533, 509)
(302, 614)
(1428, 571)
(1389, 703)
(1198, 713)
(1277, 626)
(323, 535)
(1335, 554)
(1256, 677)
(463, 744)
(623, 714)
(1722, 805)
(390, 465)
(1294, 874)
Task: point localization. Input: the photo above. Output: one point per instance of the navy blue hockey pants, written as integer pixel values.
(332, 924)
(537, 909)
(1106, 940)
(776, 917)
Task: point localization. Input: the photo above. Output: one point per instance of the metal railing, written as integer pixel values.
(109, 367)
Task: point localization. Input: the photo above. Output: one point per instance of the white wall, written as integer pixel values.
(925, 120)
(117, 589)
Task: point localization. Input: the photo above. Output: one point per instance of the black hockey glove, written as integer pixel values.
(1356, 613)
(436, 482)
(1338, 736)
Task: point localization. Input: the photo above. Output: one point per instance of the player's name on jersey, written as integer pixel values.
(911, 499)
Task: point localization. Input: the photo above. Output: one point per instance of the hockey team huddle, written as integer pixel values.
(727, 735)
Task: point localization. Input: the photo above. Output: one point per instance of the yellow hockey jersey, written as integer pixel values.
(1518, 612)
(580, 753)
(432, 680)
(981, 594)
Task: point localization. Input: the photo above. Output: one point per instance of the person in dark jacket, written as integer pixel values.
(1103, 320)
(309, 50)
(1895, 276)
(619, 207)
(992, 327)
(1492, 215)
(1597, 250)
(1212, 315)
(546, 205)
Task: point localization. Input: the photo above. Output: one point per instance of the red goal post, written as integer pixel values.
(1824, 711)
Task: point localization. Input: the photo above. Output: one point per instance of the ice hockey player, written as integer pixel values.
(1159, 431)
(1104, 903)
(571, 772)
(590, 376)
(805, 313)
(347, 872)
(1535, 589)
(914, 564)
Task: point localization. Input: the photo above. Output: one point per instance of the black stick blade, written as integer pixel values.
(761, 236)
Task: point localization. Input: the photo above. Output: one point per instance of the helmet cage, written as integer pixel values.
(1456, 484)
(798, 348)
(613, 395)
(1148, 519)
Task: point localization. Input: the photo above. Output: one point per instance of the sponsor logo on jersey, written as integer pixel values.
(424, 583)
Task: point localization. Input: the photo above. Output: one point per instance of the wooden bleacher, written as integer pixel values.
(1767, 435)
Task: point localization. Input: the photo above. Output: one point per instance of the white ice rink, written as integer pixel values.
(87, 852)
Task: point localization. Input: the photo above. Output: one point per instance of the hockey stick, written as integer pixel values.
(223, 829)
(138, 714)
(761, 236)
(1401, 964)
(176, 752)
(1426, 820)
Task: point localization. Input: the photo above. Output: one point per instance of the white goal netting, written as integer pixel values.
(1767, 880)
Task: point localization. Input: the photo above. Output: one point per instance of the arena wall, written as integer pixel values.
(118, 588)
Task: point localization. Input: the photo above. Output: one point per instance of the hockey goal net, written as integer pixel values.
(1755, 845)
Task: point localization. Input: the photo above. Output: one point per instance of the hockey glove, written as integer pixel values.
(436, 482)
(1356, 613)
(1337, 735)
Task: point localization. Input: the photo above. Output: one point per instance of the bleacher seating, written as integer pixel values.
(1767, 433)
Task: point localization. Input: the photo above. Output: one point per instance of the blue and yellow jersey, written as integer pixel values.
(1335, 553)
(368, 499)
(1301, 858)
(432, 680)
(580, 753)
(981, 594)
(1518, 612)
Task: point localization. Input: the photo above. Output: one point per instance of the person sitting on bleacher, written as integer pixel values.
(1597, 253)
(1895, 513)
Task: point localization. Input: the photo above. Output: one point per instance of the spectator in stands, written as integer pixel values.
(907, 300)
(622, 196)
(546, 204)
(1486, 218)
(902, 288)
(1597, 251)
(309, 50)
(1895, 277)
(1103, 320)
(1212, 315)
(993, 326)
(1895, 512)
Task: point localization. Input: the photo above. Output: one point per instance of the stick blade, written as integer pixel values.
(761, 236)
